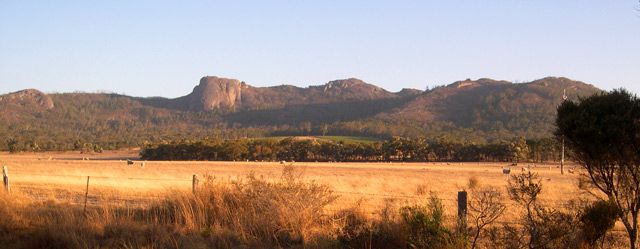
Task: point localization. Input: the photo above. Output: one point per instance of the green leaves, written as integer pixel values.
(603, 132)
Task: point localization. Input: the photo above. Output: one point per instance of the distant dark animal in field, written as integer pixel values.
(129, 162)
(506, 171)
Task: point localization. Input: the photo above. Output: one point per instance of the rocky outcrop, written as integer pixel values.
(468, 83)
(30, 98)
(214, 93)
(353, 88)
(407, 92)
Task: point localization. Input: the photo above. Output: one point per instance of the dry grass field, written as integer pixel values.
(160, 191)
(372, 184)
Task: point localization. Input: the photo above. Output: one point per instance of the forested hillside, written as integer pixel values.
(481, 111)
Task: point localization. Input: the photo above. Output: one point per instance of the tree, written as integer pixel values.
(13, 145)
(524, 189)
(235, 150)
(485, 207)
(519, 149)
(305, 128)
(324, 129)
(603, 131)
(544, 227)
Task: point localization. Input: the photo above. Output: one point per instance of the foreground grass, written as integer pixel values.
(249, 213)
(246, 214)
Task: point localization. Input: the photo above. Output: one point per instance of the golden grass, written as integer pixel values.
(156, 200)
(373, 182)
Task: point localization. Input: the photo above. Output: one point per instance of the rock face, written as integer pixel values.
(30, 98)
(354, 88)
(214, 93)
(409, 92)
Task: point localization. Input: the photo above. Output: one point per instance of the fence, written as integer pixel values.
(90, 197)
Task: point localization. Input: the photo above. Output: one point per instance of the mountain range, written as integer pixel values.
(470, 110)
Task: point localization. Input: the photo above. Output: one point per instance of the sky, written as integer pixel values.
(162, 48)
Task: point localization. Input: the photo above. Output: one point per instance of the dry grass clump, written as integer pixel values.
(422, 189)
(355, 229)
(251, 213)
(49, 224)
(473, 183)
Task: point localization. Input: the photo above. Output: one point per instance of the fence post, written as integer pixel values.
(86, 196)
(5, 178)
(194, 184)
(462, 209)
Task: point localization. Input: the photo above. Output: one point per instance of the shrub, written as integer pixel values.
(425, 226)
(544, 227)
(597, 219)
(359, 231)
(485, 207)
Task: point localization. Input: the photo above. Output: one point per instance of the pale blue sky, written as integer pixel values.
(162, 48)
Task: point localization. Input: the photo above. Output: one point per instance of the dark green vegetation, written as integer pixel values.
(604, 133)
(396, 149)
(481, 112)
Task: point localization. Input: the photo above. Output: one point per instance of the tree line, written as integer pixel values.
(396, 149)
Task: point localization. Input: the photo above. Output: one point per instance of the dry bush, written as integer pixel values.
(426, 226)
(422, 189)
(473, 183)
(253, 211)
(544, 227)
(485, 207)
(357, 230)
(48, 224)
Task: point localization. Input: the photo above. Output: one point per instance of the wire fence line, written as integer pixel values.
(19, 173)
(25, 187)
(147, 199)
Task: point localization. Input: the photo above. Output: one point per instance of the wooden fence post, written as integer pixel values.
(86, 196)
(5, 178)
(194, 184)
(462, 209)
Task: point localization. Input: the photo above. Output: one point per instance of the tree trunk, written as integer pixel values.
(475, 238)
(633, 233)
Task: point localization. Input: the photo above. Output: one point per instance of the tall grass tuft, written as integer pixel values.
(251, 212)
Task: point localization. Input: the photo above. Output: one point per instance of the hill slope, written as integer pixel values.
(469, 110)
(487, 106)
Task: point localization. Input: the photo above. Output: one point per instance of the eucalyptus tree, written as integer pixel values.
(603, 132)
